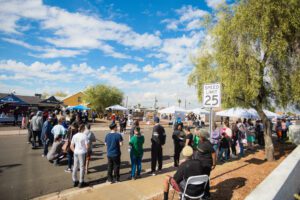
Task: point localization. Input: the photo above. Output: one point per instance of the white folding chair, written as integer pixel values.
(195, 180)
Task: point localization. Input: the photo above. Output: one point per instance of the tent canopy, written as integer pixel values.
(78, 107)
(171, 110)
(245, 113)
(117, 107)
(13, 99)
(199, 111)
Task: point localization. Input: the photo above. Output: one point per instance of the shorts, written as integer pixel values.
(88, 155)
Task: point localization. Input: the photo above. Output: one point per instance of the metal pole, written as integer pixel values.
(126, 101)
(210, 122)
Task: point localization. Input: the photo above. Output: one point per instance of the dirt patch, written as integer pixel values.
(236, 179)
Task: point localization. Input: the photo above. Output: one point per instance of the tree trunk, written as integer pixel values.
(269, 147)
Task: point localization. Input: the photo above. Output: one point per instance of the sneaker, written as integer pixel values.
(109, 181)
(68, 170)
(75, 184)
(43, 155)
(138, 176)
(153, 174)
(83, 184)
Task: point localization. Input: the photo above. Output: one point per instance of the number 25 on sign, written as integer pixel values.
(211, 95)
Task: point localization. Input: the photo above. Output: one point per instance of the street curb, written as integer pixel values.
(75, 191)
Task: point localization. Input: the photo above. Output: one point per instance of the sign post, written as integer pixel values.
(211, 99)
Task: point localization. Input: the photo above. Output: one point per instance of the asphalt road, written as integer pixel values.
(25, 174)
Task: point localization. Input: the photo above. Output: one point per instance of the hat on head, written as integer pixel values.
(112, 126)
(187, 151)
(156, 119)
(204, 134)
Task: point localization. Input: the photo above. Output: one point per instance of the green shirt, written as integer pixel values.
(196, 141)
(136, 143)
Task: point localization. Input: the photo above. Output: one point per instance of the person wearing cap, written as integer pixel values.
(46, 136)
(158, 139)
(113, 142)
(189, 167)
(205, 153)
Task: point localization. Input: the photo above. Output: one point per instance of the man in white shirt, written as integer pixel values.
(59, 129)
(79, 146)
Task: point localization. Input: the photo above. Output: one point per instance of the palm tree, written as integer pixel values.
(179, 102)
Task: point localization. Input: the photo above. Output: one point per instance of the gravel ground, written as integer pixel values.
(236, 179)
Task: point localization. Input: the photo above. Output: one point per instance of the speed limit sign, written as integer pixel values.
(211, 95)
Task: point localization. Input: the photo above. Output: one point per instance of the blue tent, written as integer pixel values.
(12, 99)
(78, 107)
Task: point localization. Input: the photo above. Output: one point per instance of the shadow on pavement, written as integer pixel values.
(2, 167)
(227, 187)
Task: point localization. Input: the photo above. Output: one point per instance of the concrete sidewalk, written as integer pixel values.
(144, 188)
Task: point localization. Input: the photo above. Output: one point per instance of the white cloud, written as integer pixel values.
(189, 18)
(73, 30)
(214, 4)
(148, 68)
(46, 52)
(35, 71)
(130, 68)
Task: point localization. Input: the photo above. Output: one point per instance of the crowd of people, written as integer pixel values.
(71, 137)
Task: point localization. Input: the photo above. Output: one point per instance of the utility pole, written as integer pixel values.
(126, 101)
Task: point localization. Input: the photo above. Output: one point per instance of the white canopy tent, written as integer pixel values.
(172, 110)
(199, 111)
(245, 113)
(117, 107)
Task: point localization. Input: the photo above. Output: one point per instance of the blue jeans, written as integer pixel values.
(241, 148)
(70, 159)
(223, 150)
(46, 144)
(136, 164)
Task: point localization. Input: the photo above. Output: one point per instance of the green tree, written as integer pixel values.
(254, 54)
(60, 94)
(102, 96)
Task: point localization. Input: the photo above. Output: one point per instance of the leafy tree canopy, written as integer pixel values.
(253, 51)
(102, 96)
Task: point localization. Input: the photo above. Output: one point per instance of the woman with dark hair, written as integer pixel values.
(188, 136)
(72, 130)
(79, 146)
(178, 138)
(135, 124)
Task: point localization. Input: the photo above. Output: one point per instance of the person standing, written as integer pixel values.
(91, 138)
(215, 137)
(241, 136)
(188, 136)
(224, 145)
(228, 135)
(37, 125)
(251, 135)
(29, 128)
(79, 146)
(46, 136)
(158, 139)
(113, 142)
(136, 153)
(135, 124)
(206, 154)
(179, 142)
(59, 129)
(72, 130)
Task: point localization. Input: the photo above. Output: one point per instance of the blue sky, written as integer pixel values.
(142, 47)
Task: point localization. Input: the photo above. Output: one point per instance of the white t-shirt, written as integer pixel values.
(58, 130)
(80, 140)
(228, 132)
